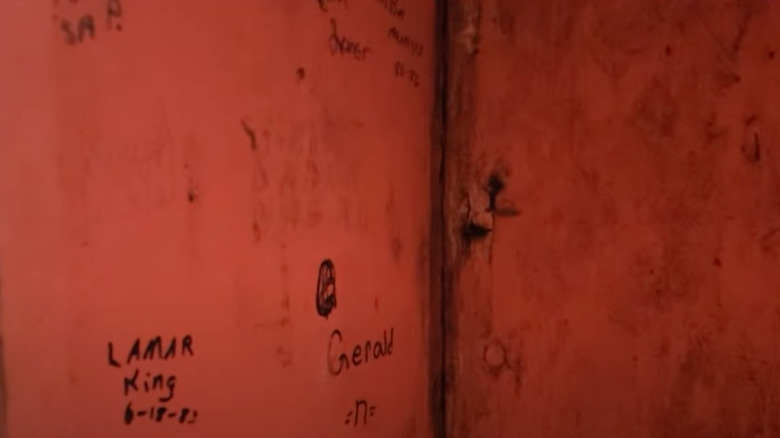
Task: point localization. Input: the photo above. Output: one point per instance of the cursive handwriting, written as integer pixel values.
(341, 45)
(324, 4)
(402, 71)
(405, 41)
(359, 354)
(392, 8)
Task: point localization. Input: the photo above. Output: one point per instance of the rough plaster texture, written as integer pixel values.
(625, 284)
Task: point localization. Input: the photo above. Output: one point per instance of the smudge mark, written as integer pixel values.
(744, 23)
(396, 244)
(712, 131)
(504, 21)
(251, 134)
(495, 185)
(284, 355)
(326, 288)
(716, 261)
(396, 248)
(771, 240)
(470, 35)
(771, 54)
(751, 148)
(256, 230)
(192, 196)
(726, 80)
(628, 28)
(73, 378)
(755, 154)
(410, 429)
(281, 322)
(300, 73)
(655, 112)
(472, 231)
(696, 369)
(517, 369)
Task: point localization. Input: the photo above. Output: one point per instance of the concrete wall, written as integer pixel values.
(183, 169)
(624, 282)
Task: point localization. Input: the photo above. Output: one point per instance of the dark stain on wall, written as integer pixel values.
(392, 223)
(284, 356)
(472, 231)
(250, 133)
(770, 241)
(751, 147)
(192, 196)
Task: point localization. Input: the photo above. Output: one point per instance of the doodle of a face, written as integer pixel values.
(326, 288)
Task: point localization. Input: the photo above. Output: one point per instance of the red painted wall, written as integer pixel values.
(626, 285)
(181, 169)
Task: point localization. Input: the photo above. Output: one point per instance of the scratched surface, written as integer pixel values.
(623, 282)
(214, 217)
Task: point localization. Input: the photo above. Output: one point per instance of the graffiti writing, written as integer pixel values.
(354, 416)
(405, 41)
(145, 383)
(341, 45)
(404, 72)
(359, 354)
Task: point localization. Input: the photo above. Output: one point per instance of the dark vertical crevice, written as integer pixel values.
(441, 99)
(460, 40)
(437, 311)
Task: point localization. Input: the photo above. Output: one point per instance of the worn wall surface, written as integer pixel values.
(184, 169)
(624, 281)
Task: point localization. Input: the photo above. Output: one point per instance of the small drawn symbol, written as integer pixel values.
(326, 288)
(114, 11)
(353, 417)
